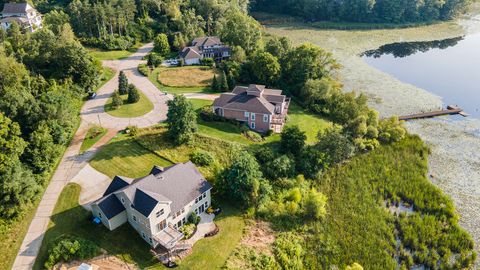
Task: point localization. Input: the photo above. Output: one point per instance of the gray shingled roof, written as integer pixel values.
(190, 53)
(240, 100)
(179, 184)
(206, 41)
(15, 8)
(117, 183)
(110, 206)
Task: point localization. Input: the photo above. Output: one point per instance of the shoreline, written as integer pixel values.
(454, 161)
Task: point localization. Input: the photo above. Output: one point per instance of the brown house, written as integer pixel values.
(261, 108)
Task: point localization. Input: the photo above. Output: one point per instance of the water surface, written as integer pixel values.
(448, 68)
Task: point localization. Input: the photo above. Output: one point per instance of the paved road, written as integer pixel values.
(93, 111)
(73, 163)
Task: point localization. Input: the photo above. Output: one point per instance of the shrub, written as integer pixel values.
(94, 132)
(144, 69)
(202, 158)
(117, 100)
(69, 249)
(154, 59)
(207, 62)
(188, 230)
(132, 130)
(122, 83)
(194, 218)
(253, 136)
(133, 95)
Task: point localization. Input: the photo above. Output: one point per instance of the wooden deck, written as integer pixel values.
(451, 110)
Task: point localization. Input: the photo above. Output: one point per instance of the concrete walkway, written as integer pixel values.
(73, 166)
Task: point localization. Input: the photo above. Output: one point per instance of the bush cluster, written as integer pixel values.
(202, 158)
(71, 248)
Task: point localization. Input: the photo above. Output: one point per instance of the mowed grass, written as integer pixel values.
(309, 123)
(193, 76)
(127, 110)
(153, 77)
(109, 55)
(124, 156)
(93, 135)
(212, 253)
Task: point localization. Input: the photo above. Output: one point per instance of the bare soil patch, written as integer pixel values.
(104, 262)
(259, 236)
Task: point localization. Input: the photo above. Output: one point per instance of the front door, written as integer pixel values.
(201, 209)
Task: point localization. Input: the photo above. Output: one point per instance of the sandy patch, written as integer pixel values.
(259, 237)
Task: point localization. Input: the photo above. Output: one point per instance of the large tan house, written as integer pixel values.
(261, 108)
(22, 13)
(205, 47)
(156, 205)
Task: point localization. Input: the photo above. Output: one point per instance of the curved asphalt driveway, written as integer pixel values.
(93, 112)
(73, 162)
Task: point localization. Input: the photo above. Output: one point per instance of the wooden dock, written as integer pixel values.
(451, 110)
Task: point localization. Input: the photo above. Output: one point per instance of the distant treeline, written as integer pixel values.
(381, 11)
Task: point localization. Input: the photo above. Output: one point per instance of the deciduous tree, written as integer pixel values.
(181, 120)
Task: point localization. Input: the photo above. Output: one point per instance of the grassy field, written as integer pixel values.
(71, 219)
(93, 135)
(142, 107)
(123, 156)
(153, 77)
(192, 76)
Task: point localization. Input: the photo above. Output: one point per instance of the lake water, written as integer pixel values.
(448, 68)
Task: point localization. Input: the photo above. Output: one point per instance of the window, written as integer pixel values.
(123, 200)
(183, 210)
(204, 195)
(178, 213)
(206, 204)
(196, 211)
(150, 240)
(161, 225)
(253, 117)
(184, 220)
(196, 200)
(100, 215)
(143, 235)
(247, 114)
(252, 125)
(159, 213)
(179, 224)
(134, 218)
(265, 118)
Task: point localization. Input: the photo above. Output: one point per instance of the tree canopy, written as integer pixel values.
(181, 120)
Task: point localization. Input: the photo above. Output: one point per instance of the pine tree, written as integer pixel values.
(231, 81)
(122, 83)
(215, 83)
(224, 83)
(133, 95)
(117, 100)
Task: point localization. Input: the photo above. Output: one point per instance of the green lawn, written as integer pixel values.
(153, 77)
(109, 55)
(142, 107)
(124, 156)
(71, 219)
(307, 122)
(93, 135)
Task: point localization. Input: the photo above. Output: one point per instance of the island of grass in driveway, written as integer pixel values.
(93, 135)
(142, 107)
(109, 55)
